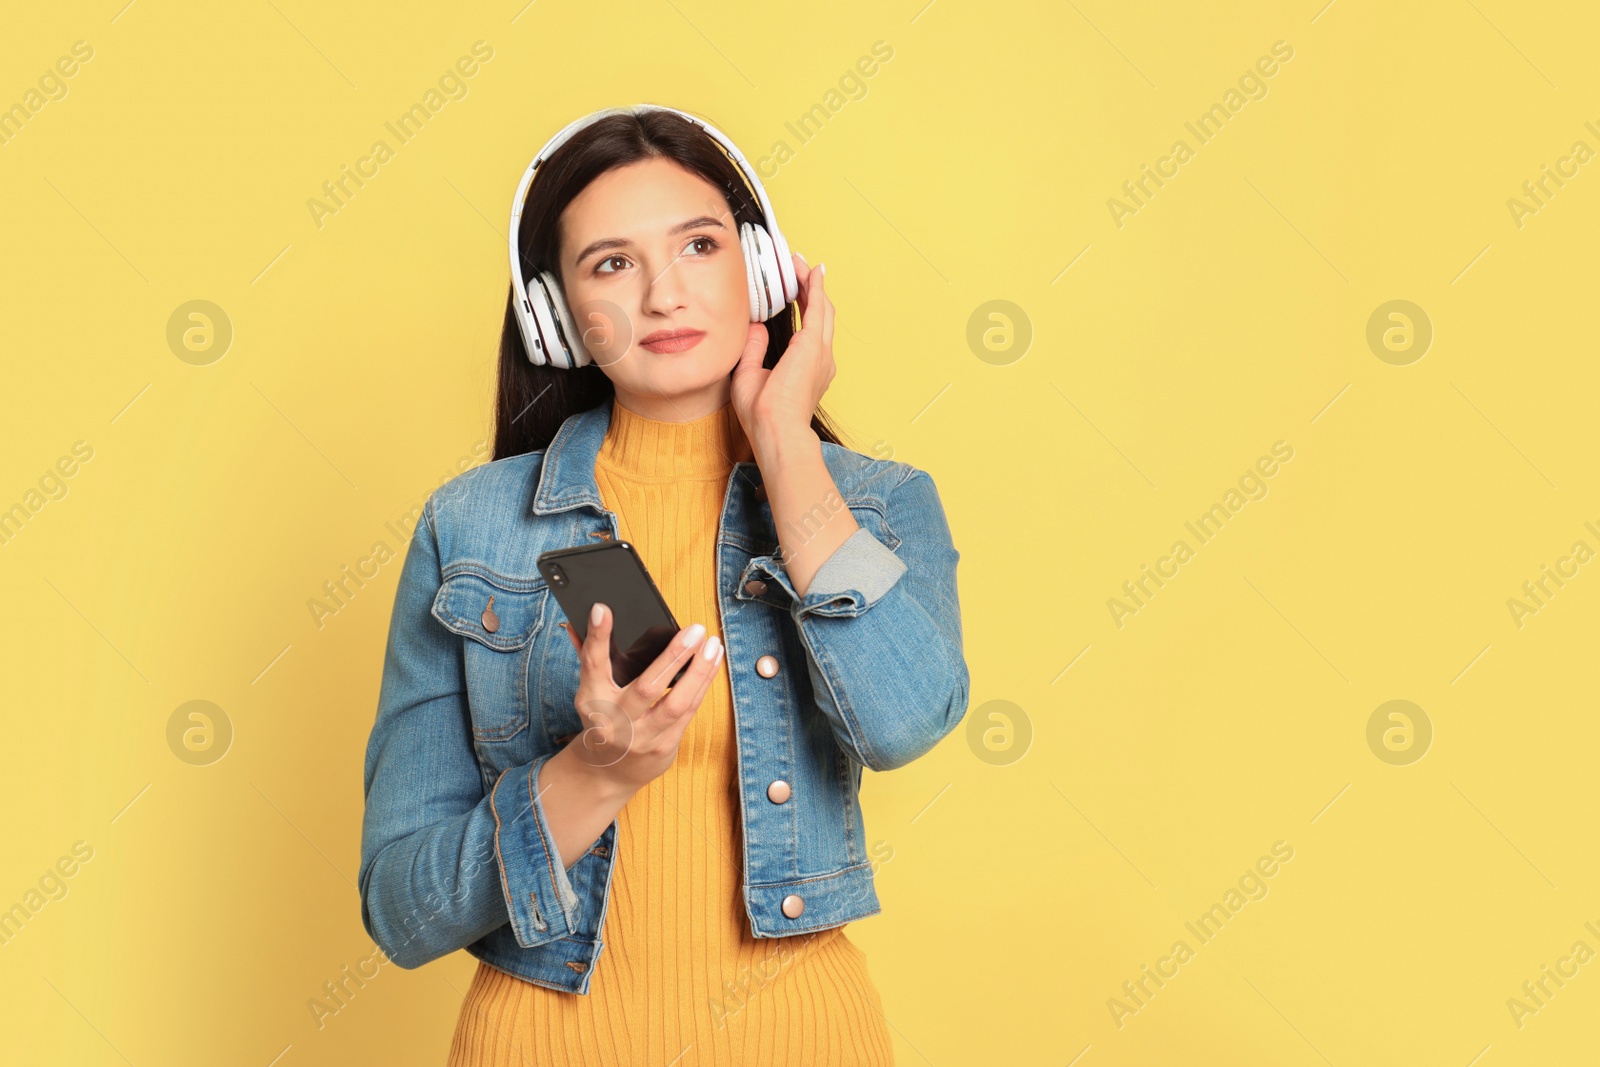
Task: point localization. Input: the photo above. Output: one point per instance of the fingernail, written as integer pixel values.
(597, 613)
(713, 648)
(692, 634)
(822, 267)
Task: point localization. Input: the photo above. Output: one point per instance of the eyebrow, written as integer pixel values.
(699, 222)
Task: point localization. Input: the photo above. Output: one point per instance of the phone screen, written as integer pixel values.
(612, 573)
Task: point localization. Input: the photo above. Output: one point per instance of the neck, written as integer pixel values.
(683, 407)
(673, 450)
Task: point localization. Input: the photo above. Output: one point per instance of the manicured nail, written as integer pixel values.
(713, 648)
(822, 268)
(597, 613)
(692, 634)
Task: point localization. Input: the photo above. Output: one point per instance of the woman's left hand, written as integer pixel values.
(776, 405)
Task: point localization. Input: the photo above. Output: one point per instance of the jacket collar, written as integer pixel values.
(566, 477)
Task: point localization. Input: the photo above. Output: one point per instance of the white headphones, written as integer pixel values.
(548, 332)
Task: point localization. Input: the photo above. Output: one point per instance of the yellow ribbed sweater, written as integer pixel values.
(681, 980)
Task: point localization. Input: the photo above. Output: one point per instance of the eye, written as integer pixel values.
(708, 240)
(599, 268)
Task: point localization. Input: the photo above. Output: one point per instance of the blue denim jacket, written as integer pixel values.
(456, 851)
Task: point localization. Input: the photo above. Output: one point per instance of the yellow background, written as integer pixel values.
(1228, 313)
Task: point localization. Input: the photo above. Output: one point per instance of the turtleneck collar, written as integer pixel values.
(646, 448)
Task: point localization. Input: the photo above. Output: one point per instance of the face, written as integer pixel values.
(649, 250)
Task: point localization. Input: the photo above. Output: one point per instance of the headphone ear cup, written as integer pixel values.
(571, 343)
(769, 279)
(544, 324)
(752, 271)
(786, 281)
(545, 296)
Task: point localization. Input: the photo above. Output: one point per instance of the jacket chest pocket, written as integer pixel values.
(499, 618)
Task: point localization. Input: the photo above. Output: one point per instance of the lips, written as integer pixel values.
(667, 341)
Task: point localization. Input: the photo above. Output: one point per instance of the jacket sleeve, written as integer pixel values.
(882, 633)
(444, 860)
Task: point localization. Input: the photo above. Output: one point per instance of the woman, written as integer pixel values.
(654, 875)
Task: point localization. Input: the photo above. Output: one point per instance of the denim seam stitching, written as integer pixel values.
(505, 883)
(489, 574)
(825, 668)
(788, 883)
(538, 825)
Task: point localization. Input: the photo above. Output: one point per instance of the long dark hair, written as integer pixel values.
(531, 402)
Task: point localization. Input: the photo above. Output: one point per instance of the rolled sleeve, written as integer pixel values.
(539, 895)
(860, 573)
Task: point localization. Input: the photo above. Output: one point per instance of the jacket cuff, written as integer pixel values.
(539, 896)
(855, 577)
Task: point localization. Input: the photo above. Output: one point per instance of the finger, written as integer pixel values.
(687, 694)
(827, 318)
(755, 347)
(595, 655)
(802, 270)
(811, 307)
(803, 298)
(654, 679)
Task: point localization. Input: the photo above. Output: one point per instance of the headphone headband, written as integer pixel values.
(788, 282)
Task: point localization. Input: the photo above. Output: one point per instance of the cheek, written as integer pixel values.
(733, 294)
(604, 327)
(725, 306)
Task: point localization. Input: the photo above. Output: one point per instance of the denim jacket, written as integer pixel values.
(456, 851)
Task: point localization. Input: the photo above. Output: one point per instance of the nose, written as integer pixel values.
(664, 292)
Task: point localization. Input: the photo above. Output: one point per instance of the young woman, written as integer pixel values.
(653, 874)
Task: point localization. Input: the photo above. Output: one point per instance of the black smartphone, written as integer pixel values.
(613, 574)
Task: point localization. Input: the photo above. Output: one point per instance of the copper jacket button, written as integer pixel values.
(767, 666)
(778, 791)
(755, 587)
(793, 906)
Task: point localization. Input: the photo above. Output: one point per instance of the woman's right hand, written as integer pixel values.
(631, 733)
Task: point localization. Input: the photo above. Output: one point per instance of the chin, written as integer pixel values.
(686, 370)
(665, 380)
